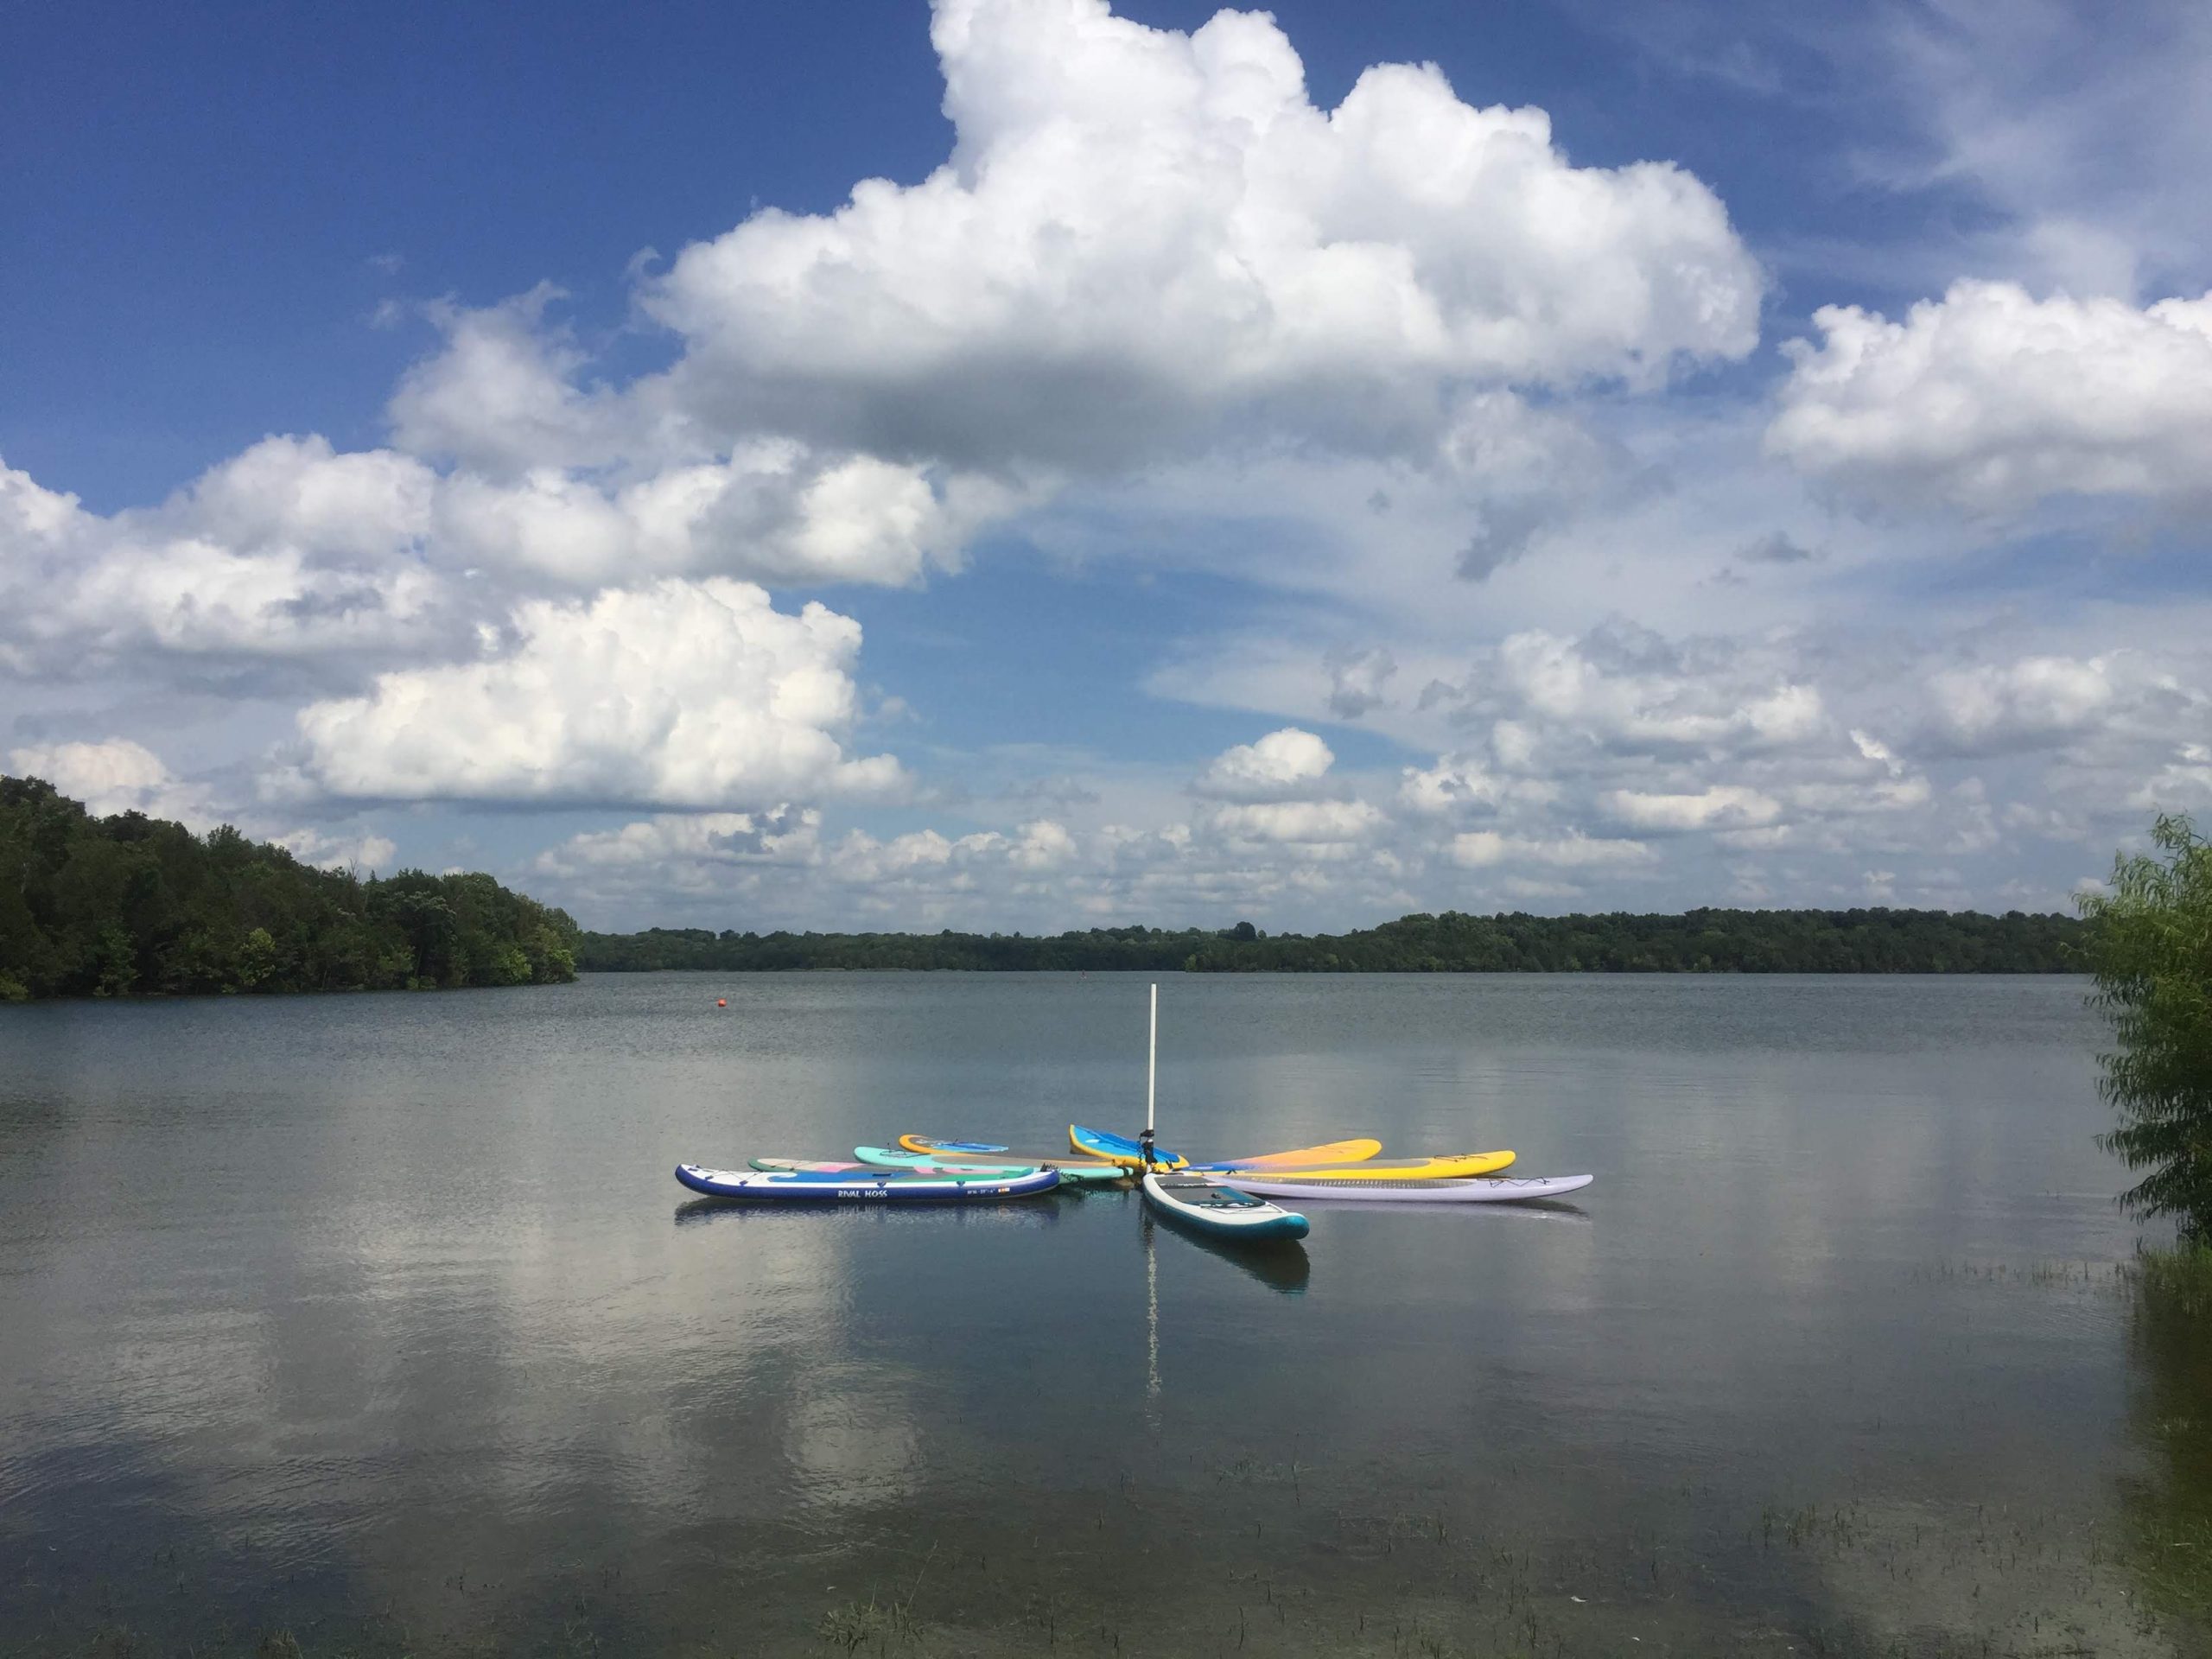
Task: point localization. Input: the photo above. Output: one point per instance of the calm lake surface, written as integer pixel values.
(379, 1320)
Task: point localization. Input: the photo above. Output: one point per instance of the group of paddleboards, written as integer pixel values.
(1223, 1196)
(1230, 1198)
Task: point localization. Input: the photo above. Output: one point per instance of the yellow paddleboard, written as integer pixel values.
(1331, 1152)
(1451, 1167)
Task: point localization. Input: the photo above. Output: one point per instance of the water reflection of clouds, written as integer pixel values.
(852, 1438)
(427, 1308)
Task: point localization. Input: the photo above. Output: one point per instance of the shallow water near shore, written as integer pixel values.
(379, 1320)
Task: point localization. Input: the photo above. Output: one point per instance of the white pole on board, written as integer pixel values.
(1151, 1073)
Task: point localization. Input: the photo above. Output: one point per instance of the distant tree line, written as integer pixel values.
(92, 907)
(1700, 941)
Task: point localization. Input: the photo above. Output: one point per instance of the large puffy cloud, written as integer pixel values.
(1623, 689)
(1368, 336)
(291, 549)
(1142, 238)
(685, 695)
(2023, 703)
(1276, 791)
(288, 549)
(300, 493)
(2104, 723)
(771, 509)
(586, 485)
(1285, 763)
(1144, 243)
(1989, 400)
(1142, 234)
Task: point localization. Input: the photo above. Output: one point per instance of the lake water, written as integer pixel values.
(379, 1320)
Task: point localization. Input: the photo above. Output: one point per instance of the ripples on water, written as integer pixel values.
(380, 1319)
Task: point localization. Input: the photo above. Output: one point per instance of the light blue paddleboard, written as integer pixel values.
(1070, 1175)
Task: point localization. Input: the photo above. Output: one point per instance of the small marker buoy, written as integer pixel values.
(722, 1002)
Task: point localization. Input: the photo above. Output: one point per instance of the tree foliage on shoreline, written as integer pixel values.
(2152, 952)
(125, 904)
(1701, 941)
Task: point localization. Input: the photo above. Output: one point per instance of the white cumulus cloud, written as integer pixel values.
(1282, 764)
(1143, 234)
(1623, 688)
(286, 550)
(1989, 400)
(771, 510)
(697, 695)
(2034, 699)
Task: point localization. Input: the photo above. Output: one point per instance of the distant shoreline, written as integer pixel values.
(1874, 941)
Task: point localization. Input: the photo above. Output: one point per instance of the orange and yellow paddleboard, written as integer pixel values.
(1450, 1166)
(1329, 1152)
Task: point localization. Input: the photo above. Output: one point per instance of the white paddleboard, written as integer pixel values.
(1477, 1190)
(1226, 1213)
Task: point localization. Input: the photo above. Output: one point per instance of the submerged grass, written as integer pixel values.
(2170, 1508)
(2177, 1282)
(876, 1625)
(1832, 1570)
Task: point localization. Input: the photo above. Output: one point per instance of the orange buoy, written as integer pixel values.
(722, 1002)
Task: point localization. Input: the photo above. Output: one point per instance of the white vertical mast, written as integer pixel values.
(1151, 1069)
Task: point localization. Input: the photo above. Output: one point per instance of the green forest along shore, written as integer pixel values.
(129, 905)
(1702, 941)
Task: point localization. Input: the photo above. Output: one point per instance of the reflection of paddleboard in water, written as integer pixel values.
(1151, 1325)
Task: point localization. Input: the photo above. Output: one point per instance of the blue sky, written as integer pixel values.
(1304, 466)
